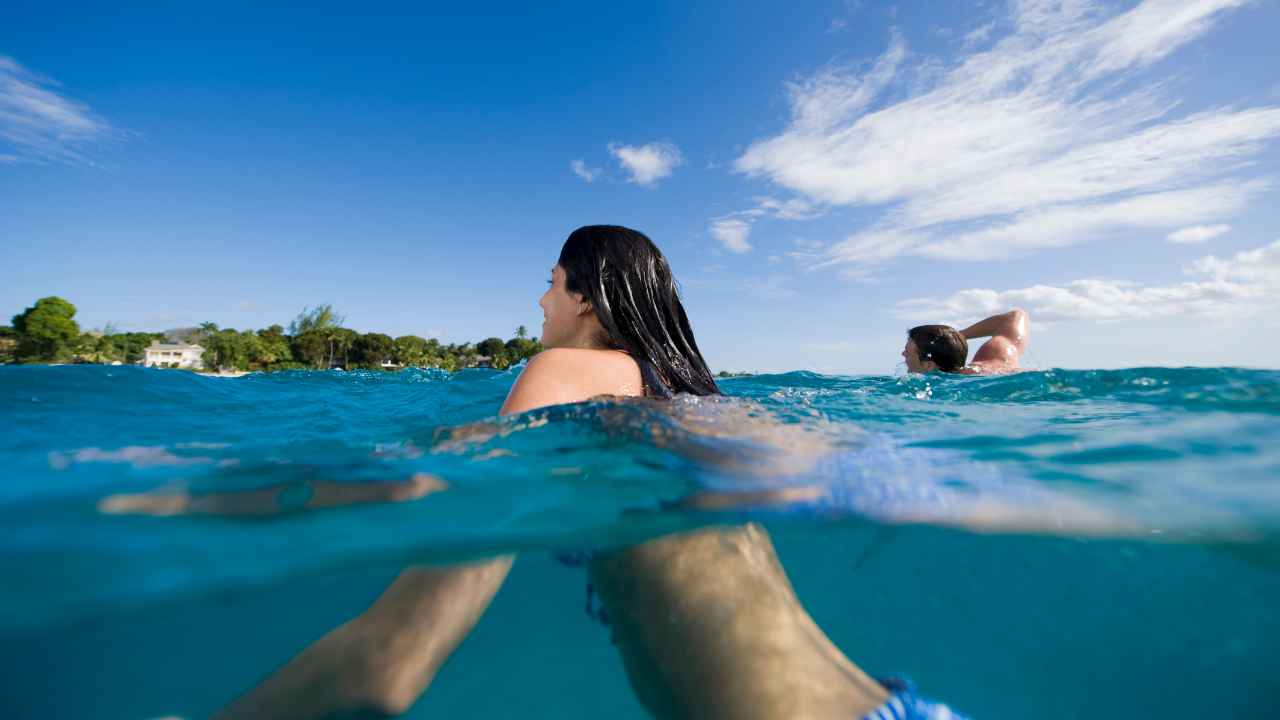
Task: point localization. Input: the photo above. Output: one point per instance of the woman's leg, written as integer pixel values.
(380, 662)
(709, 626)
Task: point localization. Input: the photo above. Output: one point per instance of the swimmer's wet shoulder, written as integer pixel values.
(566, 375)
(942, 348)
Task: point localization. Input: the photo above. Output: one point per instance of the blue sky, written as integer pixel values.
(822, 176)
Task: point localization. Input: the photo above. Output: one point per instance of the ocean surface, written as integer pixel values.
(1052, 544)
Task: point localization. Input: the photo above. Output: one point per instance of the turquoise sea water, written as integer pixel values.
(1052, 544)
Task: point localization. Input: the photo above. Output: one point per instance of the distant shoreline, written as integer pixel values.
(723, 374)
(47, 332)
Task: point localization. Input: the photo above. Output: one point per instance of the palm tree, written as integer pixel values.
(341, 339)
(207, 336)
(322, 317)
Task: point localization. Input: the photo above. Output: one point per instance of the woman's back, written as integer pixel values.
(568, 375)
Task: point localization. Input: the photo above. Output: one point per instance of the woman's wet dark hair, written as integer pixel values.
(629, 285)
(942, 344)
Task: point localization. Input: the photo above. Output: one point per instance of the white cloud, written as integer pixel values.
(979, 35)
(1197, 234)
(832, 96)
(647, 164)
(732, 229)
(792, 209)
(1059, 133)
(732, 232)
(1152, 30)
(1259, 268)
(38, 124)
(1247, 282)
(580, 169)
(1063, 225)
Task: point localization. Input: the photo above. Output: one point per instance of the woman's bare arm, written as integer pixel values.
(1012, 325)
(380, 662)
(271, 500)
(1008, 333)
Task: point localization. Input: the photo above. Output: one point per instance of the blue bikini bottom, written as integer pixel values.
(905, 704)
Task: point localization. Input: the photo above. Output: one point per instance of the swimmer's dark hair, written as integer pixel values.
(635, 298)
(942, 344)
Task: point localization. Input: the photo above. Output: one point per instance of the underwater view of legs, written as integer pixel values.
(706, 624)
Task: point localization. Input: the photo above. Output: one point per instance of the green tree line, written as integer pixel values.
(47, 332)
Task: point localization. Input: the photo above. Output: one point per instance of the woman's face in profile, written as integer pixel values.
(560, 311)
(911, 354)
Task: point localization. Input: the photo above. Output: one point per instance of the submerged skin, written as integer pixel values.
(706, 622)
(708, 625)
(1009, 334)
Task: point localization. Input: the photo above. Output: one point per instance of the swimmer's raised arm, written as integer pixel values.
(1012, 325)
(1009, 334)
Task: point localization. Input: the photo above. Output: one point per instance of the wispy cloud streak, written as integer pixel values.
(732, 230)
(1247, 282)
(40, 124)
(1197, 234)
(1047, 138)
(580, 168)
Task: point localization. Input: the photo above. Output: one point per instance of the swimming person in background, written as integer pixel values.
(706, 622)
(945, 349)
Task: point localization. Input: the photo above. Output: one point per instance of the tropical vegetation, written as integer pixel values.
(47, 332)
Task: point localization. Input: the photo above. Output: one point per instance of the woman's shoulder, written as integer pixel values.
(607, 372)
(564, 375)
(567, 356)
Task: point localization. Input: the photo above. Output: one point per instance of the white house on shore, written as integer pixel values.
(174, 355)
